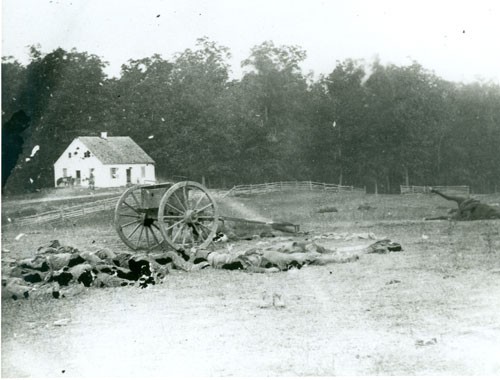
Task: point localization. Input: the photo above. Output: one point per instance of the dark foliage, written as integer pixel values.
(364, 125)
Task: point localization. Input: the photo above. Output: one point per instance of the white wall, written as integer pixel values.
(102, 173)
(75, 162)
(103, 176)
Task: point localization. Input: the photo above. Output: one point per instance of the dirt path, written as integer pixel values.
(343, 319)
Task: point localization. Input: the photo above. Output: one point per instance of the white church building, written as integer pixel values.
(113, 161)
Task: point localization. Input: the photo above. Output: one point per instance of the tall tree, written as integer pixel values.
(196, 143)
(276, 96)
(404, 113)
(347, 98)
(14, 119)
(62, 97)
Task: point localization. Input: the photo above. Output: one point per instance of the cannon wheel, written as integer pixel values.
(136, 226)
(188, 216)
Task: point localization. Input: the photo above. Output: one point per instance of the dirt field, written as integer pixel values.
(432, 309)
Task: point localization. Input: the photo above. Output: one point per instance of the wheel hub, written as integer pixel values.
(146, 219)
(190, 216)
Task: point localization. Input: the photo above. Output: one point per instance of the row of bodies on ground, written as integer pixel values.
(57, 271)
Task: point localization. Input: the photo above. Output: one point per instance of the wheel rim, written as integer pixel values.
(137, 227)
(188, 216)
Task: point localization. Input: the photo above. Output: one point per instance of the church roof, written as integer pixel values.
(116, 150)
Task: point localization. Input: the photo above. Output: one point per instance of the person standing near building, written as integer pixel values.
(91, 180)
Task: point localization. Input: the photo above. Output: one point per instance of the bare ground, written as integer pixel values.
(432, 309)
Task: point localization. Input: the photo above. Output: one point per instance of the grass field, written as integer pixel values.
(432, 309)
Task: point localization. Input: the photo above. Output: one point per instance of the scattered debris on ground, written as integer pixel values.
(62, 322)
(392, 282)
(275, 300)
(326, 209)
(366, 207)
(348, 236)
(421, 342)
(385, 246)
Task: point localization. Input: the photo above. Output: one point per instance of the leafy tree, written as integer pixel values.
(14, 119)
(379, 127)
(143, 104)
(62, 97)
(347, 98)
(276, 95)
(197, 136)
(404, 113)
(13, 82)
(473, 149)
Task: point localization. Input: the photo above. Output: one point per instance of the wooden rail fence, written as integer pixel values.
(68, 212)
(110, 203)
(289, 185)
(451, 190)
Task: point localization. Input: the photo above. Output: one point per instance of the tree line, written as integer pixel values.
(371, 125)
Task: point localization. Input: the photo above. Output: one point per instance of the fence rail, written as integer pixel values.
(68, 212)
(452, 190)
(289, 185)
(109, 203)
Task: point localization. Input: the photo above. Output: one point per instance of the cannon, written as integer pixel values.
(180, 215)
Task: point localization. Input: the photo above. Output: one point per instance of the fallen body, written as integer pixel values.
(468, 209)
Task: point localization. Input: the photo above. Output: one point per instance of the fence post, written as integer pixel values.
(324, 186)
(310, 185)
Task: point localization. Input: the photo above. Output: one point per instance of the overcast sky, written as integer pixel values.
(458, 40)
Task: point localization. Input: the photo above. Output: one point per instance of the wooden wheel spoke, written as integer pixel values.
(129, 216)
(174, 238)
(173, 225)
(176, 217)
(197, 232)
(134, 230)
(199, 201)
(202, 225)
(140, 236)
(129, 223)
(175, 208)
(178, 200)
(154, 235)
(203, 208)
(186, 197)
(147, 236)
(130, 207)
(135, 199)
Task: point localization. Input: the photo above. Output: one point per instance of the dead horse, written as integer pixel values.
(468, 209)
